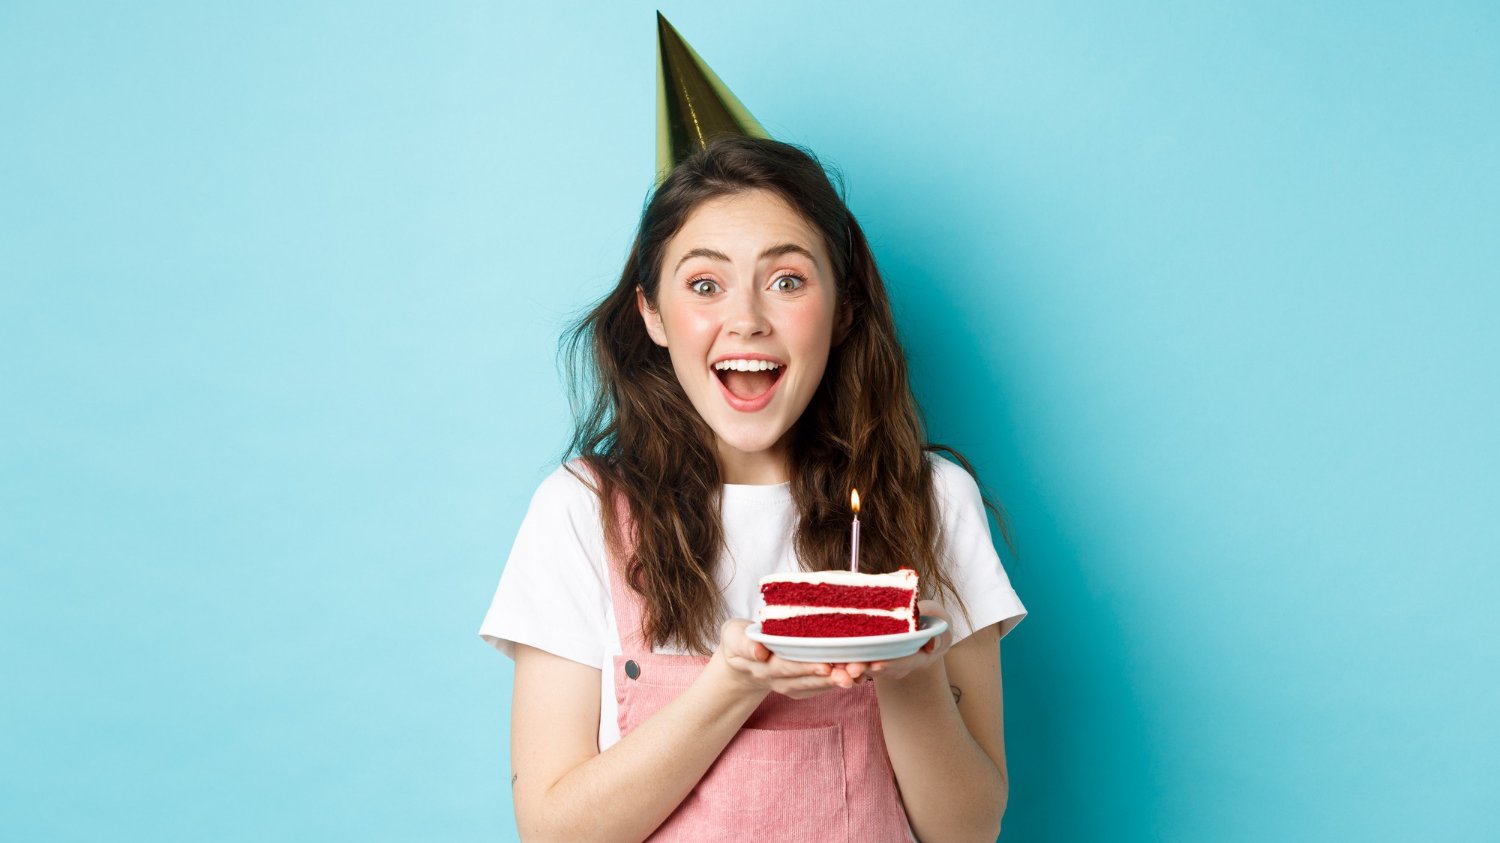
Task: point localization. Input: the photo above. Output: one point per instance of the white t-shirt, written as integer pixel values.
(554, 591)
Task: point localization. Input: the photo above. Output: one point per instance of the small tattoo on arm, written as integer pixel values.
(513, 778)
(957, 694)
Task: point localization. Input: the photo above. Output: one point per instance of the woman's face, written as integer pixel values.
(746, 308)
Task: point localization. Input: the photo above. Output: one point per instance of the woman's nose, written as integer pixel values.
(746, 315)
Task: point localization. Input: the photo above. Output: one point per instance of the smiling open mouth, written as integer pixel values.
(748, 380)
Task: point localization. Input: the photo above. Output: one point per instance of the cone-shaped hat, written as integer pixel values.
(692, 104)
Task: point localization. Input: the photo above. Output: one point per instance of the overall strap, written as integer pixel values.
(627, 604)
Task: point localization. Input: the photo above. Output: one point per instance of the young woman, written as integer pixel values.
(745, 375)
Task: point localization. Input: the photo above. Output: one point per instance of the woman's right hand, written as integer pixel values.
(750, 665)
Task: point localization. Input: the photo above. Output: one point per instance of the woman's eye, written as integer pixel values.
(788, 283)
(703, 287)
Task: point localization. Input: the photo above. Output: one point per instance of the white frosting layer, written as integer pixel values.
(781, 613)
(899, 579)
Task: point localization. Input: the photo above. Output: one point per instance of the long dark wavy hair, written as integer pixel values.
(648, 449)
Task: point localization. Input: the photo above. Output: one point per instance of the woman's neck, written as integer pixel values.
(762, 468)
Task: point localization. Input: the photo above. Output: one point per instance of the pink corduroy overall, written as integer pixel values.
(798, 771)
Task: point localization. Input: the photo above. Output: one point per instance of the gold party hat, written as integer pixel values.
(692, 104)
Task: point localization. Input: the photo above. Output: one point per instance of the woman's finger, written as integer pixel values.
(803, 687)
(790, 669)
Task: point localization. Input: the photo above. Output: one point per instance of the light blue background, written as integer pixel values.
(1207, 291)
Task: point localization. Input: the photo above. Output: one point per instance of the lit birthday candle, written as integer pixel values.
(854, 535)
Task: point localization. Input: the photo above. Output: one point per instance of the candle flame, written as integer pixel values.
(854, 501)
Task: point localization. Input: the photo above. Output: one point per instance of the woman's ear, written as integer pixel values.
(651, 317)
(842, 323)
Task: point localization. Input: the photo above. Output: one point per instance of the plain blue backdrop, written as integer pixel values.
(1207, 291)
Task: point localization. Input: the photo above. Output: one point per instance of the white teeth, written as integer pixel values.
(746, 365)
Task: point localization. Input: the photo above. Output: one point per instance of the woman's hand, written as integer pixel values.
(754, 668)
(845, 675)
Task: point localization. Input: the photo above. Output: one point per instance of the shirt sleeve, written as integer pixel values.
(969, 555)
(554, 589)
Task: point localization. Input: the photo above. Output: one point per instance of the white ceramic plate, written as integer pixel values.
(865, 648)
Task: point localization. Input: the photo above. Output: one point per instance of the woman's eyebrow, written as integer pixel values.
(773, 252)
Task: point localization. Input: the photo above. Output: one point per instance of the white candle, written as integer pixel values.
(854, 535)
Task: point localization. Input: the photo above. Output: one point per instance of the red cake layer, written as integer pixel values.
(835, 626)
(843, 596)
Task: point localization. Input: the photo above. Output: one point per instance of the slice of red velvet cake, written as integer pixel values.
(839, 604)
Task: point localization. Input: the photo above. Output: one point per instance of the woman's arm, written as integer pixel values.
(563, 786)
(944, 731)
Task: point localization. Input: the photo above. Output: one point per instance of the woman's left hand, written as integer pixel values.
(846, 675)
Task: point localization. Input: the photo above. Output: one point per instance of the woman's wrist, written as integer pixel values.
(738, 683)
(930, 679)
